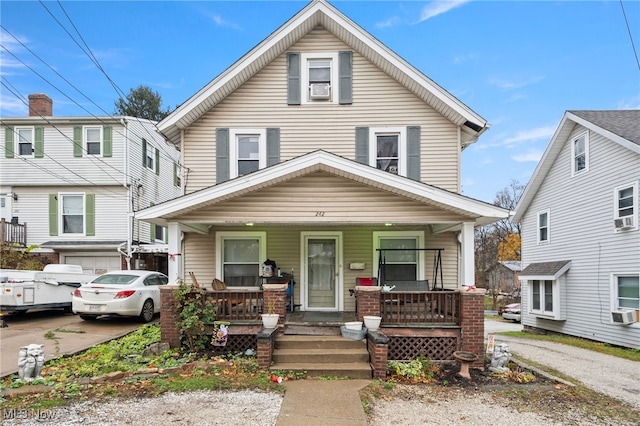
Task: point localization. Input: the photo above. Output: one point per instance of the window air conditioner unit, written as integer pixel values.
(623, 317)
(623, 222)
(320, 91)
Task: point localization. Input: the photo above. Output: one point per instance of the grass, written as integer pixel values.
(605, 348)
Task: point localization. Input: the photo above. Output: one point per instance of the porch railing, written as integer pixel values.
(12, 233)
(240, 305)
(408, 307)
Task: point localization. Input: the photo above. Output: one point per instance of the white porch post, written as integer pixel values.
(175, 252)
(468, 263)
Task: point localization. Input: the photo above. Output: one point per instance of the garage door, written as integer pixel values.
(95, 264)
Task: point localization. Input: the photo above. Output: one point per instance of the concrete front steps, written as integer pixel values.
(322, 355)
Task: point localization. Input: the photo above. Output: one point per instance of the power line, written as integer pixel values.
(166, 154)
(630, 35)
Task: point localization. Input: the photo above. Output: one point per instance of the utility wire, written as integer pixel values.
(166, 154)
(630, 35)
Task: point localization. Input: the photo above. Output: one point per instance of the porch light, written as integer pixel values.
(388, 224)
(249, 223)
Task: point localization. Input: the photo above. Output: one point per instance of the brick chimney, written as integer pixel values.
(40, 105)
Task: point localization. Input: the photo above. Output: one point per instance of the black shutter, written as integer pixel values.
(273, 146)
(222, 155)
(293, 78)
(345, 68)
(362, 145)
(413, 152)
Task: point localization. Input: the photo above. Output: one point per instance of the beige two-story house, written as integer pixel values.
(323, 151)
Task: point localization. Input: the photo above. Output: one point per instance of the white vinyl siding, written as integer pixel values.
(378, 101)
(582, 233)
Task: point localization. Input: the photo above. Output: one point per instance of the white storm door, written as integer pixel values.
(322, 271)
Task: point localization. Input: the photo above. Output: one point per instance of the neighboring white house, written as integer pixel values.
(580, 231)
(78, 181)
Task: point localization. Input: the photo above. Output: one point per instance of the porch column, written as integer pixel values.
(175, 252)
(468, 263)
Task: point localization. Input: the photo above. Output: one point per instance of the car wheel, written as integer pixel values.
(88, 317)
(146, 315)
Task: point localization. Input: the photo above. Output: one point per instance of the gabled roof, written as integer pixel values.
(315, 161)
(321, 13)
(545, 270)
(620, 126)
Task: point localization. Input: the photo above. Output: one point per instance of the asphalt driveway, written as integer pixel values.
(70, 334)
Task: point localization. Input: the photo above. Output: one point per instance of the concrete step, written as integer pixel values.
(317, 342)
(317, 330)
(314, 356)
(356, 370)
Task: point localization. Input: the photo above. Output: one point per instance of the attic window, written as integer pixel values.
(319, 77)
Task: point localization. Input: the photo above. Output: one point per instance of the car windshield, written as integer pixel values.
(115, 279)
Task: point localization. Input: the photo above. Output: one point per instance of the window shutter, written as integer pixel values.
(90, 218)
(157, 161)
(144, 152)
(53, 214)
(345, 68)
(222, 155)
(413, 152)
(9, 149)
(362, 145)
(273, 146)
(38, 139)
(293, 78)
(175, 174)
(107, 141)
(77, 142)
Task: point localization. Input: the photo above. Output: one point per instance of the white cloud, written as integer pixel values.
(633, 103)
(511, 84)
(439, 7)
(462, 58)
(391, 22)
(531, 155)
(219, 21)
(530, 135)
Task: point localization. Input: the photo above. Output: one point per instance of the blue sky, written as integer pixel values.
(519, 64)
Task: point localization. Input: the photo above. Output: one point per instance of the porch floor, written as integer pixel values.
(328, 319)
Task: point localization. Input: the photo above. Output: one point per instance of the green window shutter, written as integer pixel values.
(107, 141)
(53, 214)
(175, 174)
(222, 155)
(38, 139)
(345, 68)
(413, 152)
(77, 141)
(293, 78)
(157, 161)
(273, 146)
(90, 219)
(9, 148)
(362, 145)
(144, 152)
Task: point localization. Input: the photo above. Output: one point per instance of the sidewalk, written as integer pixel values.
(323, 403)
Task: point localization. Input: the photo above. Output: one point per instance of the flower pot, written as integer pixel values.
(372, 322)
(270, 320)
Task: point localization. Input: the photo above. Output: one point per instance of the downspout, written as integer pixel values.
(129, 192)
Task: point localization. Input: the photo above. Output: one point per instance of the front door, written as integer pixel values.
(321, 271)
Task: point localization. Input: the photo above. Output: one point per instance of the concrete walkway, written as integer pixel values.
(323, 403)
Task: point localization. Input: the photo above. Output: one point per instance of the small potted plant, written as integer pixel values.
(270, 320)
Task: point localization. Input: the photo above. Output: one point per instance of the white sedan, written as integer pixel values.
(123, 293)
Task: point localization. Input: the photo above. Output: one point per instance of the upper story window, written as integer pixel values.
(72, 213)
(150, 157)
(93, 140)
(626, 291)
(248, 151)
(387, 149)
(319, 77)
(580, 154)
(25, 141)
(625, 201)
(543, 226)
